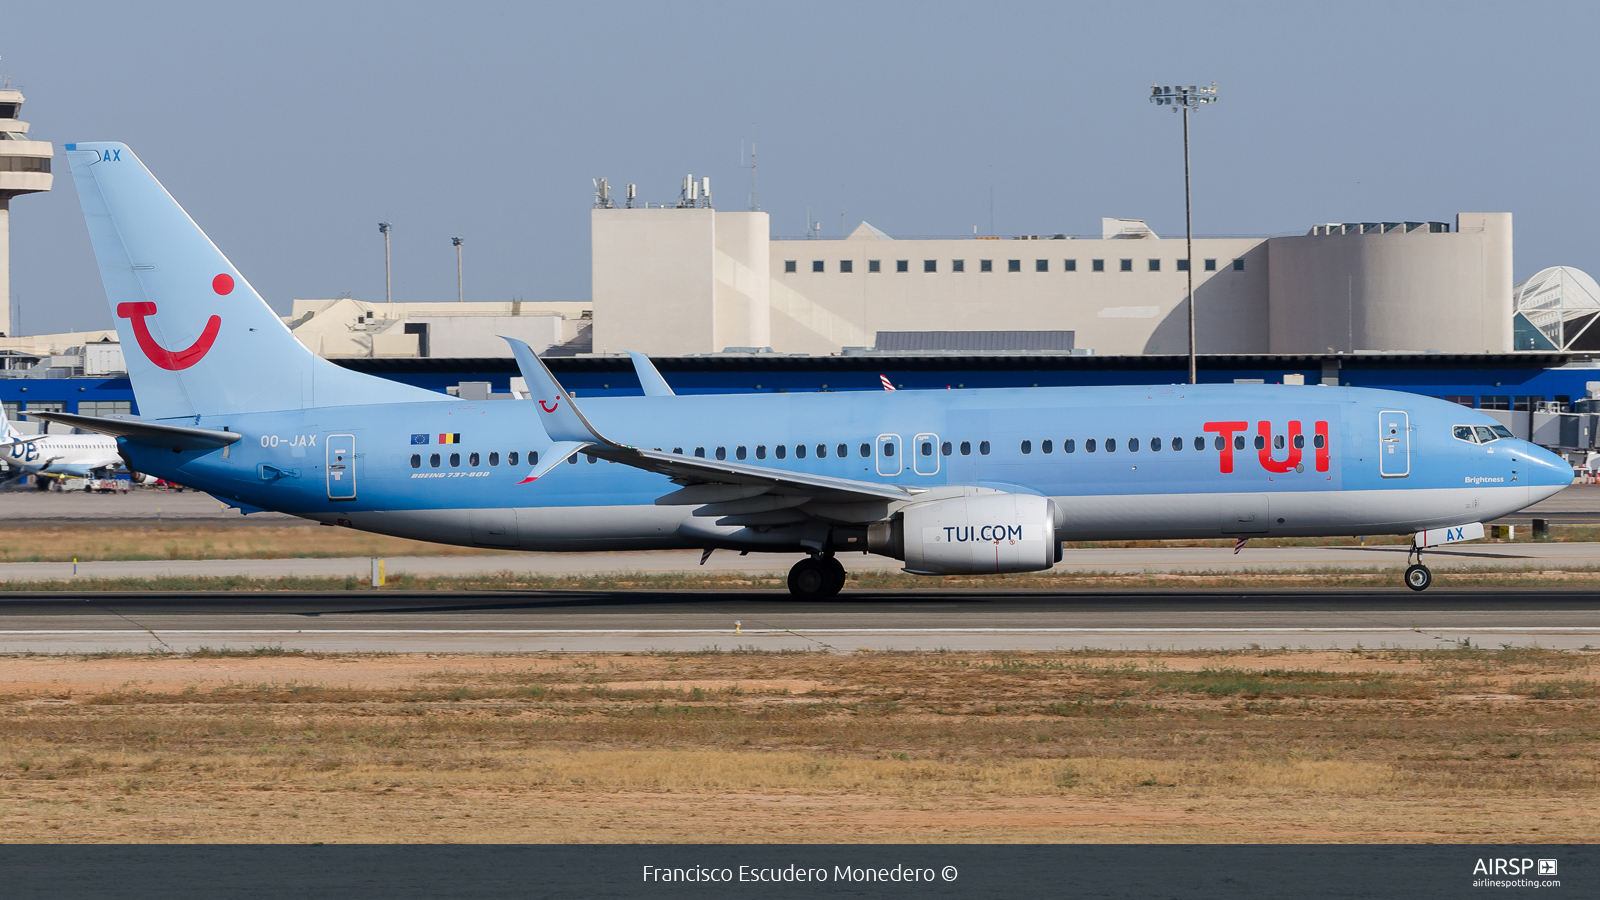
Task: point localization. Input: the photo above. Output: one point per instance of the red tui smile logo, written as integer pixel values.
(174, 360)
(552, 407)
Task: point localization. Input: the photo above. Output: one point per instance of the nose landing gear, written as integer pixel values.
(1417, 575)
(816, 578)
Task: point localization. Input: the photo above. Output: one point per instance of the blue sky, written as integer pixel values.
(288, 130)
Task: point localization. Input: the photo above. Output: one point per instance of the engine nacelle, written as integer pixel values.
(981, 534)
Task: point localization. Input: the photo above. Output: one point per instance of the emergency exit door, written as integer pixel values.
(341, 451)
(1394, 444)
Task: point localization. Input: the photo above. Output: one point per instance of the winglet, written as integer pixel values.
(561, 418)
(554, 455)
(649, 378)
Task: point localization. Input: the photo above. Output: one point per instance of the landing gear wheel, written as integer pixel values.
(1418, 577)
(812, 579)
(836, 575)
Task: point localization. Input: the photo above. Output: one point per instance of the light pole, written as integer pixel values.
(388, 292)
(460, 297)
(1186, 98)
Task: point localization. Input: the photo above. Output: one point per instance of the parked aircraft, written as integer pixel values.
(54, 455)
(950, 482)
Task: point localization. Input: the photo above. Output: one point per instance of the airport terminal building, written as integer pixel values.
(673, 282)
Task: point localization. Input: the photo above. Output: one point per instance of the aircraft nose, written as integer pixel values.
(1547, 468)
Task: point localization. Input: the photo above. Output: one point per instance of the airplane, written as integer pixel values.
(56, 455)
(949, 482)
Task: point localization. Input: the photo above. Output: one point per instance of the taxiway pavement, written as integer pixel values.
(555, 621)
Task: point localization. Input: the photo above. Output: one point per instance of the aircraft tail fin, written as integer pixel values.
(8, 432)
(197, 338)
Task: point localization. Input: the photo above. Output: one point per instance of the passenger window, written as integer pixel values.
(494, 459)
(1177, 443)
(983, 448)
(678, 450)
(1027, 447)
(761, 451)
(1299, 441)
(1238, 442)
(433, 460)
(1277, 442)
(738, 452)
(1155, 445)
(1464, 433)
(781, 451)
(1046, 446)
(822, 451)
(866, 450)
(1319, 442)
(533, 458)
(472, 460)
(572, 460)
(455, 460)
(700, 452)
(1485, 435)
(966, 448)
(1133, 445)
(416, 460)
(927, 448)
(722, 453)
(592, 459)
(1261, 442)
(842, 450)
(1111, 445)
(1069, 445)
(1088, 445)
(800, 451)
(945, 448)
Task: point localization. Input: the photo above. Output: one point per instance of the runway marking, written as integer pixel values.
(1525, 629)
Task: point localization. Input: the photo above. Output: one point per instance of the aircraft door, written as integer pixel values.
(341, 463)
(1394, 444)
(925, 454)
(889, 454)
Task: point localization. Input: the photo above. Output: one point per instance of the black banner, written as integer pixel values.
(669, 872)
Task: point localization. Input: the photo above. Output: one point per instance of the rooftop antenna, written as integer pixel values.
(602, 194)
(754, 206)
(705, 189)
(633, 191)
(841, 210)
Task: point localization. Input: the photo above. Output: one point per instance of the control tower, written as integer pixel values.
(24, 169)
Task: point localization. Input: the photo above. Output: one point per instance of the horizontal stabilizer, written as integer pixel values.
(177, 437)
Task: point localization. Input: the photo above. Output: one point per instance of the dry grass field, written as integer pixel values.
(1455, 745)
(204, 540)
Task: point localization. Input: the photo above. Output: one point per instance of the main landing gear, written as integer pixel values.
(1417, 575)
(816, 578)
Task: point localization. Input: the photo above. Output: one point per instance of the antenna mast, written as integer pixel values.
(754, 206)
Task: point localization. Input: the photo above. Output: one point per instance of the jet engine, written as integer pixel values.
(980, 534)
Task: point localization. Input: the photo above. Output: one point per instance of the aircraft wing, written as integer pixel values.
(744, 494)
(177, 437)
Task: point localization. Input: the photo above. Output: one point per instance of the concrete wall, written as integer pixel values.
(676, 281)
(1112, 311)
(1417, 291)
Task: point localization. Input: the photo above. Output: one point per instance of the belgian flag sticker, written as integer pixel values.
(450, 438)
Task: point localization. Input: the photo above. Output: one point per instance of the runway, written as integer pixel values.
(521, 622)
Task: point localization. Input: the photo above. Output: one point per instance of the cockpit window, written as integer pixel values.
(1502, 431)
(1485, 433)
(1464, 433)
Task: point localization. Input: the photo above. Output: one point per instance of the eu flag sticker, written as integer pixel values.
(419, 439)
